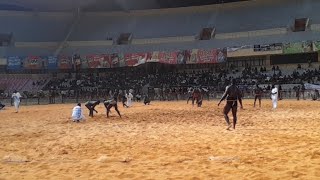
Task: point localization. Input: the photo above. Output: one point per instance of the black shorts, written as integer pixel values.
(232, 103)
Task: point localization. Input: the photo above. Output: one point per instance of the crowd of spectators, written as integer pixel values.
(174, 85)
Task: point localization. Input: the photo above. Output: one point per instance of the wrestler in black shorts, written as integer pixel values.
(91, 106)
(232, 94)
(146, 100)
(111, 103)
(257, 95)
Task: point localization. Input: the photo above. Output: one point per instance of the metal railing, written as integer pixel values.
(307, 95)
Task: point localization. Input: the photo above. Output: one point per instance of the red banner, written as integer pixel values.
(168, 57)
(135, 59)
(98, 61)
(117, 60)
(33, 62)
(207, 56)
(65, 62)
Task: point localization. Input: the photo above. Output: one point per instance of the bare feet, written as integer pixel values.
(229, 126)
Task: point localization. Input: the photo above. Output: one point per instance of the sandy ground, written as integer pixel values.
(166, 140)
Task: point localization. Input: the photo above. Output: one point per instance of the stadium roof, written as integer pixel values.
(101, 5)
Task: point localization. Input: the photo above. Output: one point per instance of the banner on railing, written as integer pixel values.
(183, 56)
(52, 62)
(34, 62)
(14, 63)
(206, 56)
(135, 59)
(268, 47)
(316, 46)
(65, 62)
(154, 57)
(255, 50)
(168, 57)
(117, 60)
(221, 55)
(195, 56)
(309, 86)
(297, 47)
(98, 61)
(209, 56)
(238, 51)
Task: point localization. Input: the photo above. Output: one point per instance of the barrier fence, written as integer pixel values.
(306, 95)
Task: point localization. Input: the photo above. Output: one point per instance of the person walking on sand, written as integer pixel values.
(257, 95)
(16, 96)
(233, 95)
(197, 96)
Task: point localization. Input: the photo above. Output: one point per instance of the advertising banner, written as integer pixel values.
(309, 86)
(154, 57)
(221, 55)
(14, 63)
(316, 46)
(135, 59)
(183, 56)
(117, 60)
(168, 57)
(34, 62)
(207, 56)
(65, 62)
(52, 62)
(297, 47)
(193, 56)
(98, 61)
(268, 47)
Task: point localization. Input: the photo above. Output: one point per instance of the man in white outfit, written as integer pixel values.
(77, 113)
(16, 100)
(274, 97)
(129, 97)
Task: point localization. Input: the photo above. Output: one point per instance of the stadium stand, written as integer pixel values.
(172, 29)
(37, 27)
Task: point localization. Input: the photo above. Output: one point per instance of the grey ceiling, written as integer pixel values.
(101, 5)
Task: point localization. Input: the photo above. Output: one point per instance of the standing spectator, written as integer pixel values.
(16, 96)
(302, 91)
(274, 97)
(297, 89)
(309, 63)
(1, 106)
(129, 97)
(280, 92)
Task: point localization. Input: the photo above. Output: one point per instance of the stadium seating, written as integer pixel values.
(163, 29)
(27, 51)
(35, 27)
(23, 82)
(250, 16)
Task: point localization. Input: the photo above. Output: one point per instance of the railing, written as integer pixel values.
(306, 95)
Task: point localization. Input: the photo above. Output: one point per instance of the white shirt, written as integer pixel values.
(274, 93)
(77, 112)
(129, 96)
(16, 97)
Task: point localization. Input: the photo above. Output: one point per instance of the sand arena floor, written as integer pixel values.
(166, 140)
